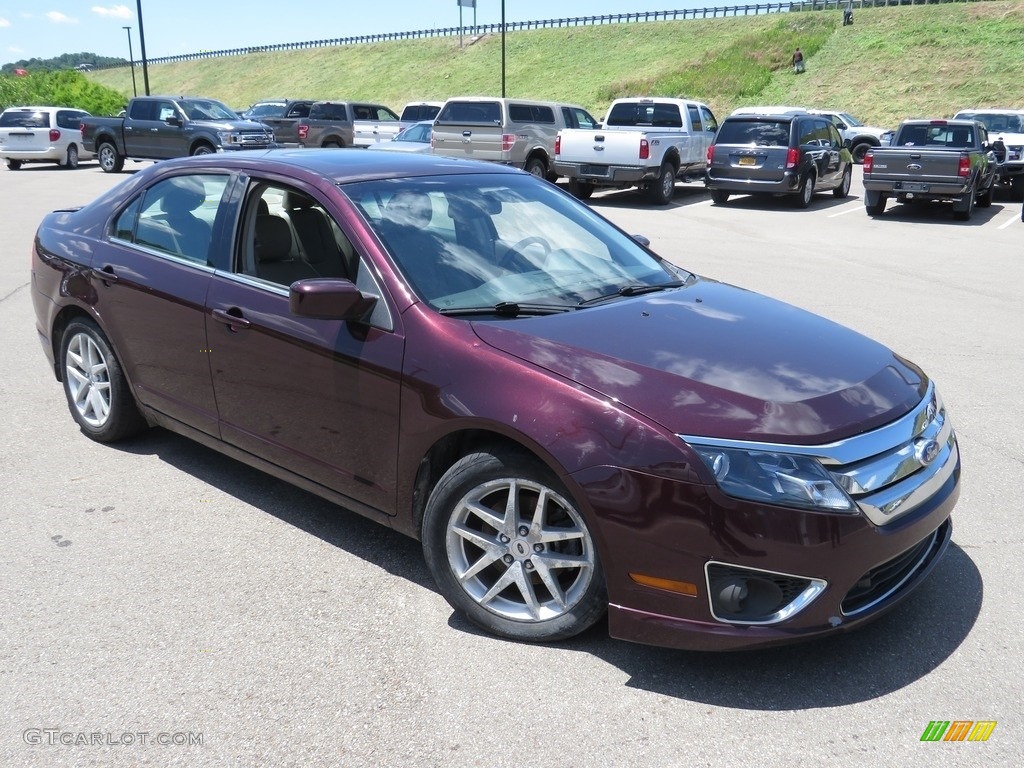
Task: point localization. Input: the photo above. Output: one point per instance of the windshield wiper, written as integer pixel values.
(633, 289)
(508, 309)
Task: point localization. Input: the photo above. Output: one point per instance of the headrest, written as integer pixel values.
(183, 195)
(273, 239)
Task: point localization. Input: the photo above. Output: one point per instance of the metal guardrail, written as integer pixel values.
(480, 30)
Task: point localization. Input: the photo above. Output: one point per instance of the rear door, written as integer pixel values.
(820, 144)
(470, 129)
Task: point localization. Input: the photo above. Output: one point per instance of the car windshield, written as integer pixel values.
(207, 109)
(998, 123)
(266, 109)
(504, 244)
(419, 133)
(850, 120)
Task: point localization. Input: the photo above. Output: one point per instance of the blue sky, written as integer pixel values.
(46, 28)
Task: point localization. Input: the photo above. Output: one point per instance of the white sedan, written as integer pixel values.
(415, 138)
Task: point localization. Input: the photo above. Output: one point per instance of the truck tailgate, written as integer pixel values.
(909, 167)
(600, 148)
(478, 141)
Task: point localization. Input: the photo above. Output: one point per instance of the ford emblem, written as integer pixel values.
(914, 167)
(926, 451)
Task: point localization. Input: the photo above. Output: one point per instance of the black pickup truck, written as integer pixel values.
(950, 160)
(161, 127)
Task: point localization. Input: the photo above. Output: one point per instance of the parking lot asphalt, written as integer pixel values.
(156, 591)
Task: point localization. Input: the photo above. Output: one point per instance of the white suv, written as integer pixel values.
(42, 134)
(862, 137)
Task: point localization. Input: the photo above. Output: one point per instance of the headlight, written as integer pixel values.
(228, 137)
(785, 479)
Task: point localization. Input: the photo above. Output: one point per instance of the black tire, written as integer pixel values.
(71, 158)
(806, 193)
(202, 149)
(965, 212)
(874, 207)
(719, 196)
(860, 150)
(581, 190)
(109, 159)
(1017, 188)
(843, 190)
(536, 167)
(984, 200)
(331, 144)
(13, 165)
(544, 601)
(97, 391)
(661, 190)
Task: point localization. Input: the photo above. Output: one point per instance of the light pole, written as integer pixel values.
(142, 45)
(131, 60)
(503, 49)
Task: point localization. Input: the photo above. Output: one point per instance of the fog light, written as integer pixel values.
(751, 596)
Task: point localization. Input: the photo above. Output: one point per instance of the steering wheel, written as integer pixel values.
(509, 257)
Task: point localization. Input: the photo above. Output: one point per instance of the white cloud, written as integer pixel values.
(15, 49)
(59, 18)
(4, 22)
(114, 11)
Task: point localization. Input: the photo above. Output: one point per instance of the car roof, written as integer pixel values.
(340, 166)
(769, 110)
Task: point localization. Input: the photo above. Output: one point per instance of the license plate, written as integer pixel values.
(747, 161)
(912, 187)
(594, 170)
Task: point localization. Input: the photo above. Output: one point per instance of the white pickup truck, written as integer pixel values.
(645, 142)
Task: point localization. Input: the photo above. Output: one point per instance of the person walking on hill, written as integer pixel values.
(848, 13)
(798, 61)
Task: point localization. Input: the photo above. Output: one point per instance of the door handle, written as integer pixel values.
(105, 275)
(233, 321)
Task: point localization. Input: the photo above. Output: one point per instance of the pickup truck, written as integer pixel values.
(645, 142)
(161, 127)
(1007, 126)
(933, 160)
(281, 116)
(347, 124)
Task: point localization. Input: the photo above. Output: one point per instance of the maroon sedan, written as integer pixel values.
(569, 423)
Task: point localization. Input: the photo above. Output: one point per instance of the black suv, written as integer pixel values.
(787, 153)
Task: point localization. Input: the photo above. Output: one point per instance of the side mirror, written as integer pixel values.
(328, 299)
(173, 120)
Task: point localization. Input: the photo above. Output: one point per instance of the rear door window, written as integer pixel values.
(760, 133)
(487, 112)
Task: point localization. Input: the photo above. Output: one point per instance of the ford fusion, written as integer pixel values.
(571, 425)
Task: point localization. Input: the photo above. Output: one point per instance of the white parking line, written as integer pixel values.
(845, 211)
(1011, 221)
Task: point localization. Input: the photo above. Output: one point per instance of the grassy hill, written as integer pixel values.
(896, 62)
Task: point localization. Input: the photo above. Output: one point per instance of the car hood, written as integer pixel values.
(718, 361)
(232, 125)
(1006, 137)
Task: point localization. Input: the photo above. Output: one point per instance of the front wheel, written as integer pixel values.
(110, 160)
(844, 186)
(660, 191)
(509, 549)
(98, 393)
(202, 149)
(582, 190)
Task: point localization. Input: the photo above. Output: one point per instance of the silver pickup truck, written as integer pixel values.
(949, 160)
(645, 142)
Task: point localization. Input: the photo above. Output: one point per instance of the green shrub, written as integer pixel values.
(59, 89)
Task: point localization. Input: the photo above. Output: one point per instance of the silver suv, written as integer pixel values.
(508, 131)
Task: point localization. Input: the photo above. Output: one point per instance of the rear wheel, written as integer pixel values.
(13, 165)
(71, 158)
(806, 193)
(110, 160)
(984, 200)
(580, 189)
(97, 391)
(536, 167)
(964, 209)
(660, 191)
(719, 196)
(332, 145)
(844, 186)
(509, 549)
